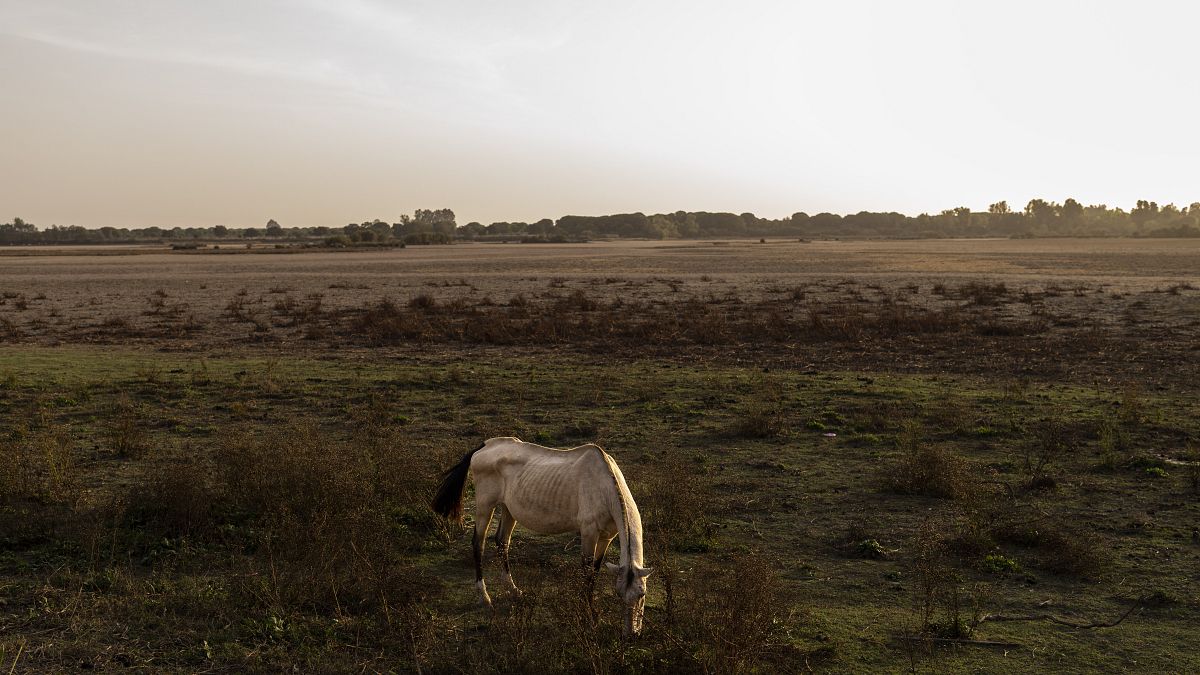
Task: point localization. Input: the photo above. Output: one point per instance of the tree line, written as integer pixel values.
(1039, 218)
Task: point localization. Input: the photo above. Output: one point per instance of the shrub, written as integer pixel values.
(40, 485)
(424, 302)
(676, 521)
(762, 416)
(1067, 552)
(40, 467)
(937, 583)
(126, 431)
(1048, 448)
(176, 499)
(327, 518)
(924, 469)
(738, 623)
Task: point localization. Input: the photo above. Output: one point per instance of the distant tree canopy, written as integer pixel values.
(1039, 218)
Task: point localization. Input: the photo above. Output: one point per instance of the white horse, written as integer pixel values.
(552, 491)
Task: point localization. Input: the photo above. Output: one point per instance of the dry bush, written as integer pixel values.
(735, 619)
(9, 329)
(1133, 405)
(857, 541)
(126, 429)
(305, 313)
(285, 305)
(1059, 550)
(423, 302)
(924, 469)
(40, 484)
(674, 507)
(1045, 452)
(385, 322)
(1068, 552)
(982, 293)
(579, 301)
(40, 467)
(763, 414)
(176, 499)
(937, 583)
(238, 307)
(549, 629)
(580, 319)
(332, 522)
(897, 319)
(839, 321)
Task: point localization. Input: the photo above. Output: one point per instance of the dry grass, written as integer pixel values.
(126, 431)
(926, 469)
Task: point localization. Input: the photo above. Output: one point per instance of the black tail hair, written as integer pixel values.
(449, 497)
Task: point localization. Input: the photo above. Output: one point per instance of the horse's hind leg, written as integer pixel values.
(483, 519)
(503, 537)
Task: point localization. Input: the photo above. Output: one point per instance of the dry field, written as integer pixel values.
(1076, 308)
(898, 456)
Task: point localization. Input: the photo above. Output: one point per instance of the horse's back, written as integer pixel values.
(545, 488)
(510, 456)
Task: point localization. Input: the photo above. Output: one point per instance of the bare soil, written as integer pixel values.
(1079, 309)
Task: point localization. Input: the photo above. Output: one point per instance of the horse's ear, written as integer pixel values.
(643, 572)
(612, 568)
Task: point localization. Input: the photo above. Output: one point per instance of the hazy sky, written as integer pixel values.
(322, 112)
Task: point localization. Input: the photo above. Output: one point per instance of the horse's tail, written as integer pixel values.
(449, 498)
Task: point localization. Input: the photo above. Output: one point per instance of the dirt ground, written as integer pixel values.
(1083, 309)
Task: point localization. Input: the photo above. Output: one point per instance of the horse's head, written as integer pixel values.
(629, 582)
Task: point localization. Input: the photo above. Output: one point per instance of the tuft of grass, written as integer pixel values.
(925, 469)
(998, 563)
(762, 416)
(127, 435)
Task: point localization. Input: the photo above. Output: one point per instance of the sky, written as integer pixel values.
(322, 112)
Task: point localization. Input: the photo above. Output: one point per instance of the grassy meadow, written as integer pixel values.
(917, 473)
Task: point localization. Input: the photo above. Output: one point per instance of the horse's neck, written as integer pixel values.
(625, 513)
(629, 528)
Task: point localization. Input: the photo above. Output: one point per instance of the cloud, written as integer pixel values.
(377, 52)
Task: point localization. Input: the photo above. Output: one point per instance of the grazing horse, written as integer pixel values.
(552, 491)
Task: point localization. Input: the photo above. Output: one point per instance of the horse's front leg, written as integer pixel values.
(587, 546)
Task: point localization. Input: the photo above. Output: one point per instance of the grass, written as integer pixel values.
(274, 515)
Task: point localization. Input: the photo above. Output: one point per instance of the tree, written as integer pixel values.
(381, 229)
(1041, 212)
(1000, 208)
(1071, 211)
(1143, 213)
(221, 230)
(434, 220)
(471, 230)
(274, 229)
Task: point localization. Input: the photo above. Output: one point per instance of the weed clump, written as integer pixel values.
(324, 515)
(924, 469)
(762, 416)
(126, 431)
